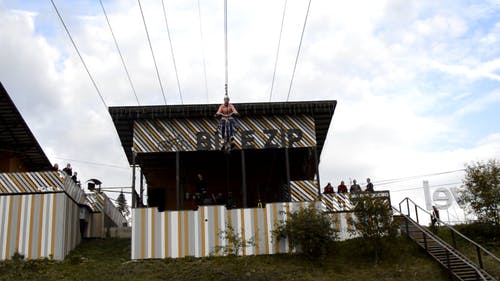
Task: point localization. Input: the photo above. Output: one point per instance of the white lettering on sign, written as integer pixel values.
(443, 198)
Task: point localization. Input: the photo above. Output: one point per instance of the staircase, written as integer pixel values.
(459, 266)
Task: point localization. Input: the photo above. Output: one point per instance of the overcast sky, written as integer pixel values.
(417, 82)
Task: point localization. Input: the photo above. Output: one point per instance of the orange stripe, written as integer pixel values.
(40, 229)
(165, 214)
(179, 234)
(243, 239)
(9, 223)
(229, 222)
(53, 234)
(32, 214)
(151, 213)
(143, 230)
(275, 222)
(347, 221)
(256, 230)
(3, 189)
(202, 220)
(19, 210)
(17, 183)
(216, 228)
(186, 233)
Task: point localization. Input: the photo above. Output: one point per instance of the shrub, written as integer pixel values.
(308, 230)
(234, 242)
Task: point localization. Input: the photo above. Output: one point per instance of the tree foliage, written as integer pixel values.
(309, 230)
(481, 195)
(122, 205)
(373, 222)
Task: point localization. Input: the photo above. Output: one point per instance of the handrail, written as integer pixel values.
(445, 246)
(451, 228)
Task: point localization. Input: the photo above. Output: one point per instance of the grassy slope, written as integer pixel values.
(109, 260)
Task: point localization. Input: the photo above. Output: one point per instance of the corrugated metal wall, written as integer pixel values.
(95, 227)
(196, 233)
(38, 225)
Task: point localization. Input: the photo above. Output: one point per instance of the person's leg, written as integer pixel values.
(231, 128)
(223, 128)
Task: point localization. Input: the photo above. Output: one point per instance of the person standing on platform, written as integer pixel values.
(342, 188)
(328, 189)
(355, 188)
(369, 186)
(68, 170)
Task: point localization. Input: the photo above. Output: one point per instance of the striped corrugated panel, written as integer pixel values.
(304, 191)
(32, 182)
(175, 234)
(100, 203)
(181, 134)
(39, 182)
(95, 226)
(337, 202)
(38, 226)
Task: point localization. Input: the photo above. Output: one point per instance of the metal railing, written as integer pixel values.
(449, 250)
(480, 250)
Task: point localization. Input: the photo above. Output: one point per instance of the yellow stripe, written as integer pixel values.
(40, 228)
(9, 223)
(143, 232)
(346, 215)
(256, 229)
(179, 233)
(186, 233)
(165, 214)
(151, 213)
(216, 228)
(17, 183)
(202, 220)
(101, 230)
(230, 222)
(243, 239)
(32, 214)
(30, 182)
(275, 222)
(266, 233)
(337, 221)
(53, 234)
(3, 189)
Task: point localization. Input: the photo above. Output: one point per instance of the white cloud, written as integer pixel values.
(378, 61)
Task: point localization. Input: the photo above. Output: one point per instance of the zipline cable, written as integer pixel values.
(277, 52)
(120, 53)
(298, 51)
(172, 50)
(79, 55)
(225, 48)
(152, 52)
(203, 50)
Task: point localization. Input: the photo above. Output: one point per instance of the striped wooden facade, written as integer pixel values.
(40, 215)
(168, 135)
(174, 234)
(104, 215)
(304, 191)
(37, 226)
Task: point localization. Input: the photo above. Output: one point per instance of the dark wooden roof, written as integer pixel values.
(16, 137)
(124, 116)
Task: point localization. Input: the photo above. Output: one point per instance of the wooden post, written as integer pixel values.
(134, 203)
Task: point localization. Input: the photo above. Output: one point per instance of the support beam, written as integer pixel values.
(244, 179)
(287, 169)
(141, 188)
(178, 178)
(316, 164)
(134, 203)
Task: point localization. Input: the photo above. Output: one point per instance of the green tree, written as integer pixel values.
(308, 230)
(481, 195)
(373, 222)
(122, 205)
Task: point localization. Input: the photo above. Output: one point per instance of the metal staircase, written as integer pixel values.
(458, 265)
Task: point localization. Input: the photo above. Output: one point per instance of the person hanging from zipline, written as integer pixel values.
(227, 111)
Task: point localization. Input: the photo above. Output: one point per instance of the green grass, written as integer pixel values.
(110, 260)
(470, 251)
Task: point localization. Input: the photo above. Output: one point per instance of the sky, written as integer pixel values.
(417, 82)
